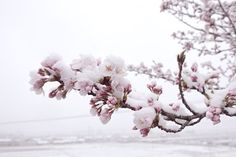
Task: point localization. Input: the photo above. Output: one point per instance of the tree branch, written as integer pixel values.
(228, 16)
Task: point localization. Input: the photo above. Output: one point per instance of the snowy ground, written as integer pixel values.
(127, 149)
(218, 145)
(116, 139)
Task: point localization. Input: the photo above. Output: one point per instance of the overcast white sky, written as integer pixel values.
(32, 29)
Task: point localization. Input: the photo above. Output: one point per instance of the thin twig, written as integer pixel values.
(228, 16)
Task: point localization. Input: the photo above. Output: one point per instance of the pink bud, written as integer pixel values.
(61, 94)
(154, 88)
(175, 107)
(216, 119)
(209, 115)
(144, 131)
(157, 90)
(88, 88)
(194, 78)
(52, 94)
(105, 116)
(194, 67)
(218, 110)
(211, 109)
(111, 100)
(128, 88)
(39, 84)
(149, 86)
(157, 108)
(150, 101)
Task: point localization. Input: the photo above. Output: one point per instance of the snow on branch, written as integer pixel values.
(212, 33)
(106, 82)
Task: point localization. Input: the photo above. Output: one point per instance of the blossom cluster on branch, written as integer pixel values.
(212, 29)
(106, 82)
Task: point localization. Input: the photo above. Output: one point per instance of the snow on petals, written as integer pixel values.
(37, 82)
(84, 86)
(50, 60)
(144, 117)
(113, 66)
(66, 74)
(105, 115)
(153, 87)
(111, 100)
(213, 113)
(120, 85)
(84, 62)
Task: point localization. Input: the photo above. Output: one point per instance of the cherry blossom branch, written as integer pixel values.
(212, 29)
(181, 59)
(228, 16)
(155, 71)
(110, 90)
(106, 83)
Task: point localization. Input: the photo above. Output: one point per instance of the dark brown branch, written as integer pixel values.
(181, 59)
(228, 114)
(182, 117)
(168, 130)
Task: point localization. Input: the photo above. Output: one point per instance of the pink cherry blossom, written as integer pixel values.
(85, 62)
(209, 115)
(111, 100)
(175, 107)
(113, 66)
(194, 78)
(84, 87)
(144, 117)
(150, 101)
(153, 87)
(212, 35)
(105, 116)
(38, 86)
(213, 113)
(194, 67)
(144, 132)
(50, 60)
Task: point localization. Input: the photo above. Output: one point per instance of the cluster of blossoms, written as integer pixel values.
(149, 108)
(106, 82)
(193, 79)
(103, 80)
(213, 113)
(143, 119)
(175, 106)
(212, 29)
(52, 70)
(154, 88)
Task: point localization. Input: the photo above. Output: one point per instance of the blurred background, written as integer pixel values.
(135, 30)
